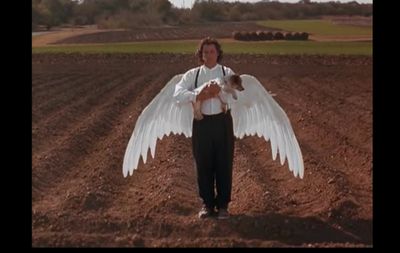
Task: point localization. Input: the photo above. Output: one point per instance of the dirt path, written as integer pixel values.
(84, 110)
(53, 37)
(347, 38)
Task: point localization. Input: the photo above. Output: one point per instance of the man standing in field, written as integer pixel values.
(212, 137)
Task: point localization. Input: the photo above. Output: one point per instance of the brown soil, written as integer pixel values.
(84, 111)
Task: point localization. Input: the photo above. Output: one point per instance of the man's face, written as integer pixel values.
(210, 54)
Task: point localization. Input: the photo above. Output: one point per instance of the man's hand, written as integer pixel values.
(210, 91)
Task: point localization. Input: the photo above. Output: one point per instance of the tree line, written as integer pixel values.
(145, 13)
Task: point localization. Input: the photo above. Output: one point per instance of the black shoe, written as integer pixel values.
(223, 214)
(206, 212)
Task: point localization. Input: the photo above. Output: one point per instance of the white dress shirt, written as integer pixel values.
(185, 91)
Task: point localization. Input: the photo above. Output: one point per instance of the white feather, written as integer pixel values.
(160, 117)
(255, 111)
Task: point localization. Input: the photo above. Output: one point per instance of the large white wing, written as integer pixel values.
(161, 117)
(256, 112)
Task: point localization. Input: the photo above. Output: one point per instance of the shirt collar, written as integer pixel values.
(211, 69)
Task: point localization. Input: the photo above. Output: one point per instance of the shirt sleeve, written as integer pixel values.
(183, 93)
(225, 97)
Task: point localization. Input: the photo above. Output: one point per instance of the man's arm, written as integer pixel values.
(183, 93)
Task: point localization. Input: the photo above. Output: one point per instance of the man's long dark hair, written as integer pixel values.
(208, 41)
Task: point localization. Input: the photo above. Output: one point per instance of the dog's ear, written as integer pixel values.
(236, 79)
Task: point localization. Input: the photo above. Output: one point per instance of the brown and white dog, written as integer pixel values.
(229, 84)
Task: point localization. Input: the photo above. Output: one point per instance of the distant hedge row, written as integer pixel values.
(265, 35)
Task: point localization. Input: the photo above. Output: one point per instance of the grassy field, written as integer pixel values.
(318, 27)
(229, 46)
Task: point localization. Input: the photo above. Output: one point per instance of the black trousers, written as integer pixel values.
(213, 146)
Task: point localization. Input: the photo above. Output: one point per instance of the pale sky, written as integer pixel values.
(189, 3)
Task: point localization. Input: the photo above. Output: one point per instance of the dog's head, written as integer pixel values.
(236, 82)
